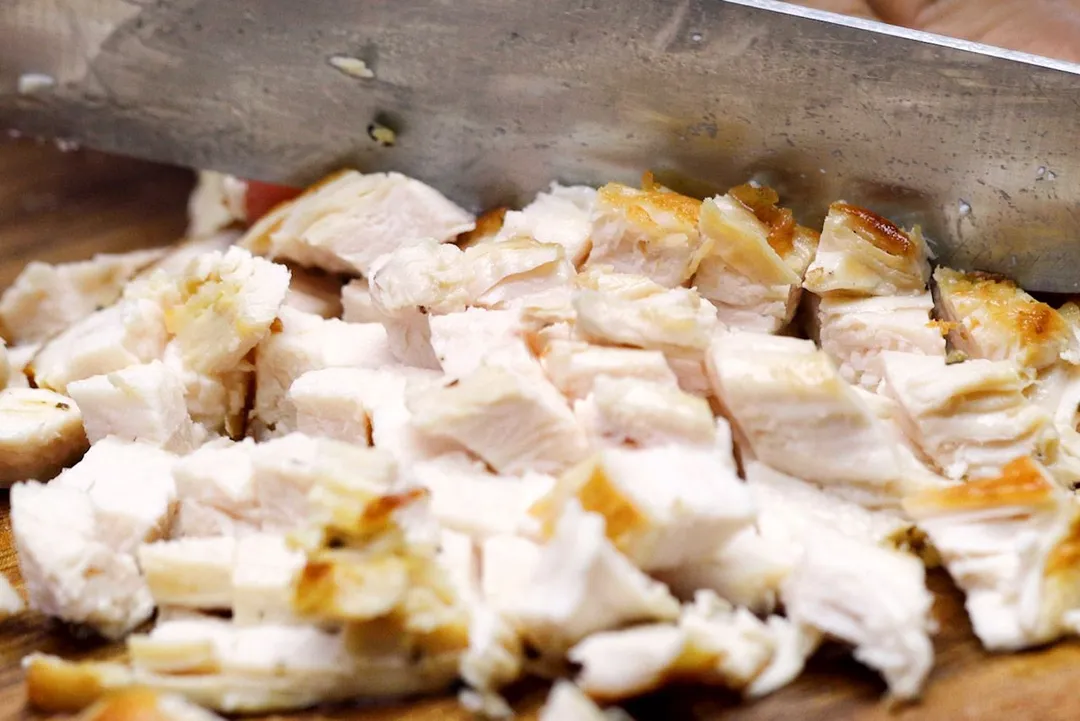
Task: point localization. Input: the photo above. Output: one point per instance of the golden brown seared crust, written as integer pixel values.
(1033, 321)
(881, 233)
(1022, 483)
(488, 225)
(139, 704)
(637, 204)
(761, 201)
(1064, 559)
(54, 685)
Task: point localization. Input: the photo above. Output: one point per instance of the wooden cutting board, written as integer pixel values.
(56, 206)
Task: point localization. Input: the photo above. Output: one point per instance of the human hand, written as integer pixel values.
(1050, 28)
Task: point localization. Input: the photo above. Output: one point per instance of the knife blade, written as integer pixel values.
(490, 100)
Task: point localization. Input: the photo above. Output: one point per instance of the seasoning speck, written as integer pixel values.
(349, 65)
(382, 135)
(965, 208)
(30, 83)
(1040, 172)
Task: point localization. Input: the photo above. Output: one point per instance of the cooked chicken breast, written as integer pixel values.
(356, 303)
(217, 202)
(18, 358)
(1009, 542)
(215, 487)
(41, 433)
(566, 702)
(855, 331)
(630, 411)
(347, 221)
(45, 299)
(870, 597)
(189, 572)
(507, 565)
(76, 539)
(575, 366)
(796, 413)
(990, 317)
(139, 403)
(642, 314)
(583, 585)
(970, 418)
(754, 259)
(701, 504)
(218, 402)
(561, 216)
(464, 341)
(467, 498)
(651, 232)
(305, 343)
(136, 703)
(326, 405)
(122, 335)
(515, 422)
(264, 570)
(712, 643)
(861, 253)
(11, 602)
(501, 273)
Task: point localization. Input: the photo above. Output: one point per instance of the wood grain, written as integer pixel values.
(67, 206)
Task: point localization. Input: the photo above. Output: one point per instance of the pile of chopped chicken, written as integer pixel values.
(368, 445)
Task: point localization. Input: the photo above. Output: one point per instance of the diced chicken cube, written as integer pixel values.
(494, 659)
(870, 597)
(458, 557)
(990, 317)
(216, 491)
(790, 508)
(700, 504)
(713, 643)
(464, 341)
(567, 702)
(316, 293)
(220, 307)
(327, 405)
(645, 315)
(357, 305)
(287, 468)
(41, 433)
(651, 232)
(179, 256)
(516, 422)
(755, 256)
(263, 571)
(746, 570)
(122, 335)
(45, 299)
(345, 222)
(861, 253)
(561, 216)
(380, 395)
(507, 564)
(642, 413)
(216, 401)
(217, 202)
(501, 273)
(855, 331)
(1010, 543)
(189, 572)
(574, 366)
(139, 403)
(130, 488)
(970, 418)
(305, 343)
(796, 414)
(18, 358)
(70, 573)
(466, 498)
(583, 585)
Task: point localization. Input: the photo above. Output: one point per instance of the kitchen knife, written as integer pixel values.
(489, 100)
